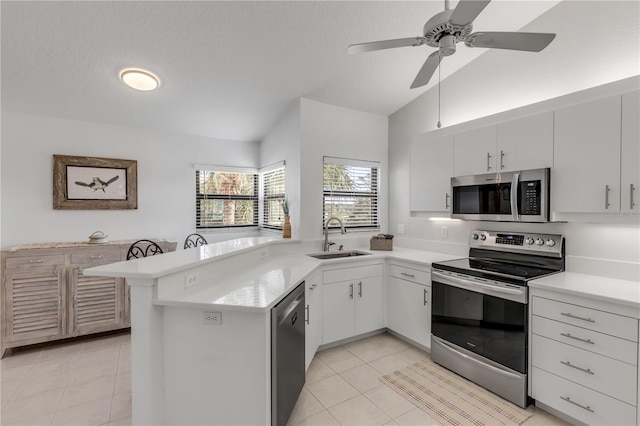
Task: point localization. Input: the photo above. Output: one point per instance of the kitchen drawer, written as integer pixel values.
(605, 375)
(354, 273)
(95, 258)
(23, 262)
(410, 274)
(598, 409)
(592, 319)
(603, 344)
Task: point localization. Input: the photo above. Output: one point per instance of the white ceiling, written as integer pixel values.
(228, 69)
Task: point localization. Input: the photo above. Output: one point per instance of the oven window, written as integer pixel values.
(482, 199)
(492, 327)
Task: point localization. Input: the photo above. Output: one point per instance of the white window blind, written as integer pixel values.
(351, 192)
(273, 192)
(226, 198)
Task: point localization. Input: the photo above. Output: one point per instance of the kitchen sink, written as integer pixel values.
(338, 254)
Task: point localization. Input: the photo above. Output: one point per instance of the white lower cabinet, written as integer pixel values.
(584, 359)
(313, 317)
(410, 302)
(352, 301)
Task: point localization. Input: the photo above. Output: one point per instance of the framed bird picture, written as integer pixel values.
(92, 183)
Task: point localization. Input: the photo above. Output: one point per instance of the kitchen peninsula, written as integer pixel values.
(186, 370)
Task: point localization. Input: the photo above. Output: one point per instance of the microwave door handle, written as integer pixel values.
(514, 196)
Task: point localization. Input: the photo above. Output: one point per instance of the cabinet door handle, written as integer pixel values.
(307, 312)
(631, 189)
(407, 275)
(35, 261)
(578, 338)
(488, 161)
(570, 315)
(584, 407)
(424, 297)
(446, 201)
(501, 159)
(97, 257)
(568, 364)
(360, 289)
(606, 197)
(351, 290)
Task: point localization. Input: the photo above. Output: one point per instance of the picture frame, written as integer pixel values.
(93, 183)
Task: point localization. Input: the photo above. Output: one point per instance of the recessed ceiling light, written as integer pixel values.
(139, 79)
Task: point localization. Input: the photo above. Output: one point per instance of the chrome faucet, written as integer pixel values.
(328, 244)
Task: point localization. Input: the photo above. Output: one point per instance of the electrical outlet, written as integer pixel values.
(191, 280)
(444, 232)
(401, 228)
(212, 318)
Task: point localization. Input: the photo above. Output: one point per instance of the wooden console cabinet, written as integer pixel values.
(45, 295)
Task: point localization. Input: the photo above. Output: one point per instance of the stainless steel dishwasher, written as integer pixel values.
(287, 355)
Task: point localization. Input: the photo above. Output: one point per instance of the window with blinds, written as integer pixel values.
(273, 197)
(226, 199)
(351, 192)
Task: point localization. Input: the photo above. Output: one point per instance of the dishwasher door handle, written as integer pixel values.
(290, 308)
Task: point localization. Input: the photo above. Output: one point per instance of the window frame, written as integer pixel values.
(266, 198)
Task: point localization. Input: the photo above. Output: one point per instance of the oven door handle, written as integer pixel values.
(476, 283)
(515, 183)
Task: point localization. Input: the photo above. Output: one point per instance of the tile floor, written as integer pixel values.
(88, 383)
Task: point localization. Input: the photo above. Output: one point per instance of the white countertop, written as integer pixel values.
(612, 290)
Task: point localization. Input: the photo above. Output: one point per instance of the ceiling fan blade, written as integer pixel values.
(467, 10)
(427, 70)
(385, 44)
(531, 42)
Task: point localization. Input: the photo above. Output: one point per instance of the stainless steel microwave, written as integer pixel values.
(521, 196)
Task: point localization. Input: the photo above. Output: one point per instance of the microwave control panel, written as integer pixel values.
(530, 198)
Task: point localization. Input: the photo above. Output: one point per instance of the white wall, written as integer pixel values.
(329, 130)
(166, 194)
(283, 144)
(502, 80)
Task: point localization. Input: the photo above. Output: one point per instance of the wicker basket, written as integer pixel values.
(380, 244)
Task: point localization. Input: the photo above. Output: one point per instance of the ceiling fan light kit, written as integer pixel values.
(139, 79)
(449, 27)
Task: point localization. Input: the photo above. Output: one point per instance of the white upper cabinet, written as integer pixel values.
(586, 170)
(525, 144)
(474, 152)
(630, 171)
(431, 165)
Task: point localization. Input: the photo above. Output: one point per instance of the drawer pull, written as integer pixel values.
(568, 364)
(407, 275)
(578, 338)
(36, 261)
(584, 407)
(570, 315)
(97, 257)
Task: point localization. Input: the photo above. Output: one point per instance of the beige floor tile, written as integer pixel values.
(15, 373)
(65, 365)
(543, 418)
(363, 378)
(120, 407)
(388, 364)
(123, 383)
(339, 359)
(416, 417)
(88, 414)
(94, 364)
(391, 343)
(359, 411)
(389, 401)
(40, 420)
(323, 418)
(19, 358)
(7, 390)
(125, 421)
(413, 354)
(332, 390)
(391, 423)
(367, 350)
(306, 406)
(100, 388)
(45, 381)
(60, 351)
(318, 370)
(103, 342)
(124, 359)
(36, 405)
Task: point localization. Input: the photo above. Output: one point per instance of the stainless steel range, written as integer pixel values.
(480, 308)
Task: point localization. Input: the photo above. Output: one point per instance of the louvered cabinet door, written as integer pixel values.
(96, 303)
(33, 306)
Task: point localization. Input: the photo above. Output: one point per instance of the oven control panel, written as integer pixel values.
(517, 241)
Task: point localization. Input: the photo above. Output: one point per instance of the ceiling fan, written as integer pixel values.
(449, 27)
